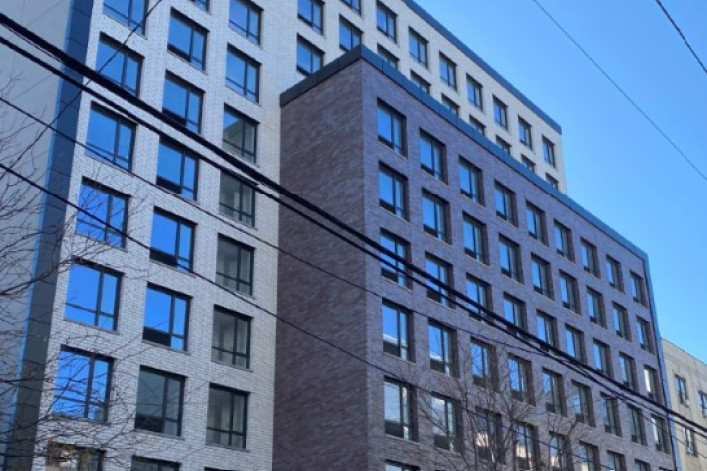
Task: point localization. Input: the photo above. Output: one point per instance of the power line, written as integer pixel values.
(682, 35)
(687, 159)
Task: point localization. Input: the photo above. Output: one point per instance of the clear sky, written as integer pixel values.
(618, 166)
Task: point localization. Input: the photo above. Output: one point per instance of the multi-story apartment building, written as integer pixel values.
(687, 384)
(426, 383)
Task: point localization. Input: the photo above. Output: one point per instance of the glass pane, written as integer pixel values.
(158, 305)
(164, 234)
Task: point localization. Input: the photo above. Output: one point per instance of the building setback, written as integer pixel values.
(385, 159)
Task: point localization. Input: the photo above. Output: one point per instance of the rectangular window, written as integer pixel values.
(385, 21)
(509, 254)
(690, 443)
(552, 181)
(435, 216)
(119, 64)
(500, 113)
(588, 457)
(542, 280)
(559, 456)
(549, 151)
(477, 125)
(514, 312)
(480, 293)
(226, 417)
(159, 402)
(234, 265)
(243, 74)
(553, 390)
(182, 101)
(239, 134)
(448, 71)
(483, 364)
(529, 164)
(645, 337)
(418, 48)
(660, 434)
(129, 12)
(650, 377)
(575, 344)
(172, 241)
(310, 11)
(60, 457)
(83, 382)
(595, 305)
(617, 462)
(244, 17)
(349, 35)
(589, 257)
(613, 273)
(388, 57)
(536, 223)
(166, 318)
(433, 156)
(391, 268)
(92, 296)
(620, 316)
(547, 328)
(569, 292)
(681, 388)
(391, 128)
(397, 399)
(420, 82)
(177, 169)
(442, 346)
(444, 425)
(505, 204)
(563, 241)
(488, 435)
(474, 93)
(703, 403)
(525, 133)
(627, 366)
(602, 358)
(355, 5)
(230, 339)
(504, 145)
(520, 377)
(110, 137)
(610, 415)
(582, 403)
(187, 40)
(237, 199)
(638, 292)
(203, 4)
(103, 216)
(638, 430)
(450, 105)
(470, 181)
(397, 331)
(525, 449)
(475, 239)
(390, 466)
(146, 464)
(392, 192)
(642, 466)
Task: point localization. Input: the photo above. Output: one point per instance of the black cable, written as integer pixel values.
(682, 35)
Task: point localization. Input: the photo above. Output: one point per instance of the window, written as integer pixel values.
(470, 181)
(480, 293)
(547, 328)
(617, 462)
(627, 365)
(505, 204)
(554, 182)
(642, 466)
(203, 4)
(602, 358)
(82, 385)
(244, 17)
(392, 191)
(542, 280)
(575, 343)
(645, 338)
(129, 12)
(690, 443)
(638, 292)
(119, 64)
(237, 199)
(620, 321)
(660, 434)
(520, 378)
(582, 403)
(420, 82)
(388, 57)
(610, 415)
(568, 292)
(239, 134)
(563, 241)
(536, 223)
(172, 240)
(442, 346)
(448, 71)
(166, 318)
(390, 466)
(558, 455)
(514, 312)
(145, 464)
(504, 145)
(475, 238)
(418, 48)
(638, 431)
(435, 216)
(589, 257)
(349, 35)
(444, 426)
(92, 297)
(391, 128)
(432, 156)
(397, 399)
(450, 105)
(681, 388)
(525, 444)
(500, 113)
(234, 265)
(529, 164)
(103, 214)
(595, 305)
(474, 92)
(243, 74)
(385, 21)
(230, 339)
(554, 392)
(510, 259)
(588, 457)
(177, 170)
(549, 151)
(397, 331)
(525, 133)
(391, 268)
(483, 364)
(187, 40)
(60, 457)
(226, 417)
(703, 403)
(613, 273)
(159, 402)
(310, 11)
(182, 102)
(110, 137)
(355, 5)
(650, 377)
(477, 125)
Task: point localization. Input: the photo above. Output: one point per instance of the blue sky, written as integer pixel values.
(618, 165)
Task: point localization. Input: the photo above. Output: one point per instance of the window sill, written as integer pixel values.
(101, 243)
(174, 268)
(226, 447)
(90, 326)
(165, 347)
(406, 288)
(234, 367)
(159, 434)
(185, 61)
(399, 154)
(400, 218)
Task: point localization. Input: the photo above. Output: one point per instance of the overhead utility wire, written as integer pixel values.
(682, 35)
(625, 95)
